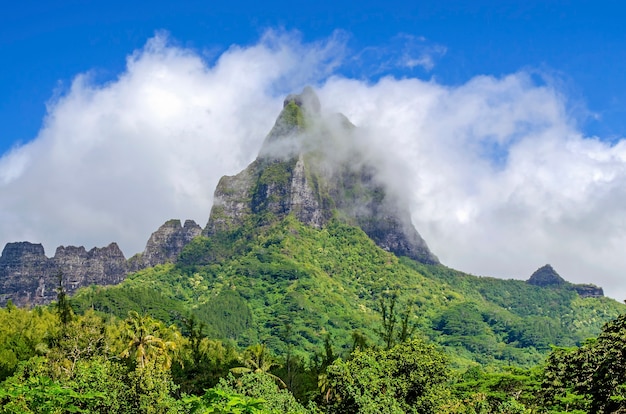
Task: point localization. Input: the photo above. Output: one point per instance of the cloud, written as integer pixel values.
(403, 52)
(115, 161)
(499, 178)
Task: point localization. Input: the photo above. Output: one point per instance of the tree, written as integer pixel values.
(390, 332)
(63, 307)
(258, 360)
(262, 387)
(592, 376)
(410, 377)
(143, 343)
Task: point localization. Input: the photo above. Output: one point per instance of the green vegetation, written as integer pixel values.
(277, 317)
(289, 285)
(92, 363)
(292, 115)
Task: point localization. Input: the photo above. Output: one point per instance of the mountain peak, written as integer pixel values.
(311, 167)
(307, 100)
(546, 276)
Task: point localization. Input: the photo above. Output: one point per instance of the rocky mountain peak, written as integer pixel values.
(546, 276)
(309, 166)
(307, 100)
(165, 244)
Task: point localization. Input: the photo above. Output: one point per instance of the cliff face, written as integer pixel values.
(304, 169)
(98, 266)
(165, 244)
(24, 273)
(28, 277)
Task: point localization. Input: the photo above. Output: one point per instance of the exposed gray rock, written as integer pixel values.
(546, 276)
(25, 273)
(589, 291)
(298, 172)
(98, 266)
(30, 278)
(166, 244)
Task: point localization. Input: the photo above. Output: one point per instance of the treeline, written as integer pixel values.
(54, 361)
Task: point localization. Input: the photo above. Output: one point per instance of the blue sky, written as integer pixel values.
(501, 123)
(583, 43)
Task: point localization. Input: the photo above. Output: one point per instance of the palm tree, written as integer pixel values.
(258, 360)
(144, 345)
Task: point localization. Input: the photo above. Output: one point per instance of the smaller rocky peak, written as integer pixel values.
(588, 290)
(546, 276)
(112, 251)
(63, 251)
(166, 244)
(191, 226)
(18, 251)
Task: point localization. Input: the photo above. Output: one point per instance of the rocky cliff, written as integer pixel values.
(25, 273)
(546, 276)
(28, 277)
(165, 244)
(310, 167)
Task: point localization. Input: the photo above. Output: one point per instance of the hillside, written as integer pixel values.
(291, 284)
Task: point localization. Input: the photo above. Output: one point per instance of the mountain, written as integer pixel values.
(303, 169)
(308, 243)
(298, 172)
(546, 276)
(28, 277)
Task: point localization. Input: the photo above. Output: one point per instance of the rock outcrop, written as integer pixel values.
(25, 273)
(28, 277)
(165, 244)
(98, 266)
(546, 276)
(310, 166)
(589, 291)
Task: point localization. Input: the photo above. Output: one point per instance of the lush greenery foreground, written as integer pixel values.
(295, 319)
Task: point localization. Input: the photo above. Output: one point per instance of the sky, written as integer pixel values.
(503, 122)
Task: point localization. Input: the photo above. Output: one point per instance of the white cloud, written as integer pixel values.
(500, 179)
(115, 161)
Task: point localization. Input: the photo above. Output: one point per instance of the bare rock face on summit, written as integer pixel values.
(310, 166)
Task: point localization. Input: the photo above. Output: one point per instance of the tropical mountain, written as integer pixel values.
(310, 244)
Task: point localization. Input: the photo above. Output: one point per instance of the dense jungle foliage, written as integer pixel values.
(286, 318)
(290, 286)
(54, 361)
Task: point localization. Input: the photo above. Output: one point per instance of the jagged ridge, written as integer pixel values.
(299, 172)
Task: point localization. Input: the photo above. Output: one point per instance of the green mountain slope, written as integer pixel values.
(288, 284)
(304, 244)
